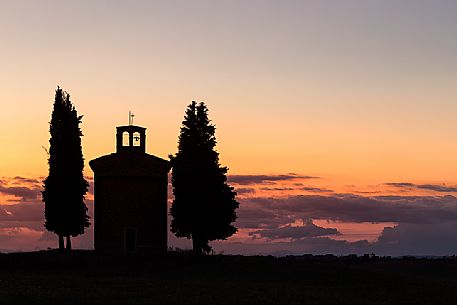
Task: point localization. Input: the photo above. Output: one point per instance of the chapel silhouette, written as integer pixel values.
(130, 198)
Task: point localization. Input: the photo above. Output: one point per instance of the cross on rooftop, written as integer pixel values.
(131, 115)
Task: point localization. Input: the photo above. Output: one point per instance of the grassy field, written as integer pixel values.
(83, 277)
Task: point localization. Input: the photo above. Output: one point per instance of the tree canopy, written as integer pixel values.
(65, 187)
(204, 204)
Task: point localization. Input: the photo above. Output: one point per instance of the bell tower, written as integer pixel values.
(130, 139)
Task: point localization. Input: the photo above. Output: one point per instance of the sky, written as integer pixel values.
(335, 118)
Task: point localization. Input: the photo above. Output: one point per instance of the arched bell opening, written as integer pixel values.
(125, 139)
(136, 139)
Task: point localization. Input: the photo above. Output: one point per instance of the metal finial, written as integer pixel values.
(131, 115)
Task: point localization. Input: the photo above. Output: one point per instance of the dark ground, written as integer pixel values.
(82, 277)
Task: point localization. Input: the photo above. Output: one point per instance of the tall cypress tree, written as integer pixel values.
(204, 204)
(65, 187)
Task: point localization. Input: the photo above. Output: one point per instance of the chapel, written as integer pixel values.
(130, 197)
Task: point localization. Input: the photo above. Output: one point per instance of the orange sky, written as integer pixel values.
(357, 93)
(341, 93)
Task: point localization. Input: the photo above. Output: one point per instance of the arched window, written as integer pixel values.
(125, 139)
(136, 139)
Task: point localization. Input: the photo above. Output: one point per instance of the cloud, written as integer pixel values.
(22, 212)
(244, 190)
(354, 208)
(22, 192)
(14, 239)
(19, 179)
(426, 225)
(259, 179)
(400, 184)
(253, 217)
(22, 221)
(26, 189)
(438, 188)
(36, 225)
(430, 239)
(299, 188)
(442, 188)
(315, 189)
(273, 213)
(22, 228)
(309, 229)
(418, 239)
(277, 189)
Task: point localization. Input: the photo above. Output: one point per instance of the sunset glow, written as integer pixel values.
(337, 119)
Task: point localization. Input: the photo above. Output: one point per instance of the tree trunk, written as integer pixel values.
(68, 243)
(200, 246)
(196, 246)
(61, 243)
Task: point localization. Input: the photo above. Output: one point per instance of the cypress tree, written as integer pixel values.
(204, 204)
(65, 187)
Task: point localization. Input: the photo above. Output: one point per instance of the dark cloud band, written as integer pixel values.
(259, 179)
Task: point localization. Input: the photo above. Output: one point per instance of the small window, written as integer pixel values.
(130, 240)
(125, 139)
(136, 139)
